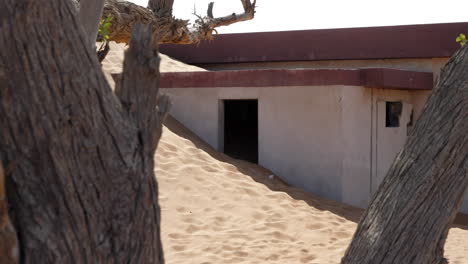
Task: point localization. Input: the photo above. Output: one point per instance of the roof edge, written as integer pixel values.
(368, 77)
(389, 42)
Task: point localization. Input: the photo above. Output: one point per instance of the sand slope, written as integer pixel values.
(219, 210)
(114, 60)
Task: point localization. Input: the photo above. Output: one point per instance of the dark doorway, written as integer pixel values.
(241, 129)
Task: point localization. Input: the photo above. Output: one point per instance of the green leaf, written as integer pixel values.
(461, 39)
(104, 28)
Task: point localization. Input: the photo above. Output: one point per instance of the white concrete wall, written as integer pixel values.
(356, 146)
(300, 137)
(300, 133)
(323, 139)
(387, 142)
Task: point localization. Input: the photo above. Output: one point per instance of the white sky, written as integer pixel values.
(278, 15)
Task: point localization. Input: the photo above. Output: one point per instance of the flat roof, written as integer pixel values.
(368, 77)
(390, 42)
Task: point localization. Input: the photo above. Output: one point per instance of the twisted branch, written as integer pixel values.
(206, 25)
(161, 7)
(164, 26)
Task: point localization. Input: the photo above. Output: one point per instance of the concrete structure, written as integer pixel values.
(320, 128)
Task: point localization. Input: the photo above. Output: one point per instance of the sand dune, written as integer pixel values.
(113, 63)
(219, 210)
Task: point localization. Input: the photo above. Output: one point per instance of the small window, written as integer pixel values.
(393, 113)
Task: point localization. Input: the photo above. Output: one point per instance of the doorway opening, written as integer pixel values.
(241, 129)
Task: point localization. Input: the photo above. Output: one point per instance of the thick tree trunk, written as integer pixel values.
(83, 190)
(408, 219)
(164, 25)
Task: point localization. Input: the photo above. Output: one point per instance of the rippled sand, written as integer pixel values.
(219, 210)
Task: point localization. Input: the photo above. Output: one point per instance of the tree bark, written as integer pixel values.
(408, 219)
(83, 190)
(90, 15)
(164, 25)
(8, 240)
(161, 7)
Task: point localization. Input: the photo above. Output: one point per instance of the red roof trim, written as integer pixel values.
(411, 41)
(372, 77)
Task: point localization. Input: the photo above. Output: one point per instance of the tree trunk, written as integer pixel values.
(83, 190)
(408, 219)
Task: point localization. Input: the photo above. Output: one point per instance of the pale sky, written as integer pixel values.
(278, 15)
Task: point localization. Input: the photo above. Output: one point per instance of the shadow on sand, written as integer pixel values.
(261, 175)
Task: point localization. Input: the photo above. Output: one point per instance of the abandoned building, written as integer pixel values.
(327, 110)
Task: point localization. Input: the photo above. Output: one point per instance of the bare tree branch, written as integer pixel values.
(138, 87)
(249, 12)
(103, 51)
(205, 26)
(164, 26)
(161, 7)
(210, 10)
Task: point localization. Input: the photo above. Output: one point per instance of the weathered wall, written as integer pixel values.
(325, 139)
(300, 137)
(387, 142)
(356, 144)
(300, 130)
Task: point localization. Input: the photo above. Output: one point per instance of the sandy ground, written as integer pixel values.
(113, 63)
(219, 210)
